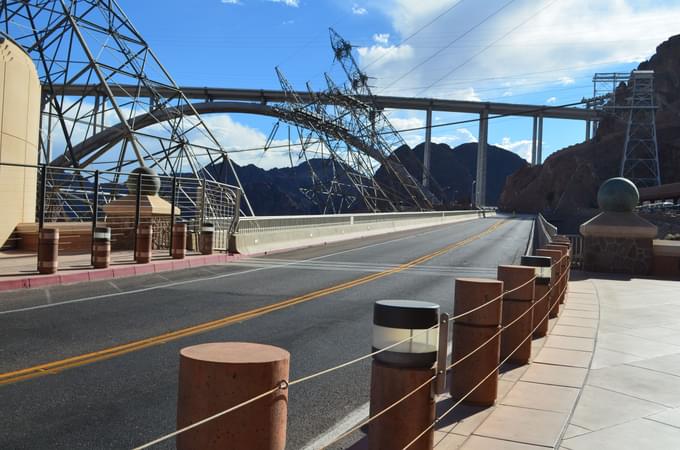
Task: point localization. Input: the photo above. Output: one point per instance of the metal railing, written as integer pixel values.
(67, 197)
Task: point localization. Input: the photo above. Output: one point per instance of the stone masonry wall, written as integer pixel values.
(618, 255)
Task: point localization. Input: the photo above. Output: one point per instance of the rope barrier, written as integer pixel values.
(286, 384)
(500, 364)
(375, 416)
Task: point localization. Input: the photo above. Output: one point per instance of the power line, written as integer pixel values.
(512, 30)
(470, 30)
(437, 17)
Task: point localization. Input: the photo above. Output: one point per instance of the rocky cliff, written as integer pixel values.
(569, 179)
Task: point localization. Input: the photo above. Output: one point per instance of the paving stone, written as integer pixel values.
(541, 396)
(669, 364)
(557, 375)
(640, 434)
(448, 441)
(670, 417)
(578, 322)
(568, 330)
(523, 425)
(580, 313)
(635, 345)
(574, 430)
(609, 358)
(570, 343)
(638, 382)
(562, 357)
(484, 443)
(600, 408)
(464, 419)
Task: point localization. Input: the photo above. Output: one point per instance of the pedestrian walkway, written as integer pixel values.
(607, 376)
(18, 270)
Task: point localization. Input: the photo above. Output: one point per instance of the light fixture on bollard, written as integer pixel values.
(397, 320)
(402, 375)
(542, 266)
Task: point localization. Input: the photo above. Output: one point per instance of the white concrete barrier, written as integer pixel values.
(268, 234)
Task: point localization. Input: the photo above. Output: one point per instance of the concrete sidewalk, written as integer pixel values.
(606, 377)
(18, 270)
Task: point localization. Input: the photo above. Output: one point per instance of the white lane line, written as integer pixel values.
(196, 280)
(350, 421)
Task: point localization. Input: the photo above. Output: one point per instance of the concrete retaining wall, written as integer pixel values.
(268, 234)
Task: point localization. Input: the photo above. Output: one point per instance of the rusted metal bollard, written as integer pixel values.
(401, 370)
(472, 331)
(207, 239)
(48, 250)
(144, 238)
(216, 376)
(101, 248)
(179, 240)
(517, 305)
(555, 275)
(541, 265)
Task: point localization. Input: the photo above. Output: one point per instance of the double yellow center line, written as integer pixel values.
(111, 352)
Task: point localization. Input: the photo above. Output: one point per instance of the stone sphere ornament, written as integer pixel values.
(618, 195)
(151, 182)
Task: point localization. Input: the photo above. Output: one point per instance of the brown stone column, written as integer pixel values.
(48, 250)
(101, 258)
(518, 308)
(144, 243)
(472, 331)
(179, 240)
(216, 376)
(207, 239)
(401, 424)
(554, 256)
(564, 269)
(541, 265)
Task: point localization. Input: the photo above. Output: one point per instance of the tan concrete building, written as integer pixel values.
(19, 131)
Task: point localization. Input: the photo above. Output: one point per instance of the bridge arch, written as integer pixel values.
(107, 138)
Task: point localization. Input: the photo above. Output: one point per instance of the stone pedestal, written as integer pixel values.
(618, 242)
(120, 216)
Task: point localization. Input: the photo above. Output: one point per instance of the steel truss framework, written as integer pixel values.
(640, 162)
(92, 42)
(358, 139)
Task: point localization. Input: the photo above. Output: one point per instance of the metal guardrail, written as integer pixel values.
(545, 232)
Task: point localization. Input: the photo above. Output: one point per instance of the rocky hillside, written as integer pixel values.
(569, 179)
(280, 191)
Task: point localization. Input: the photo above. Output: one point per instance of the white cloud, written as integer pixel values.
(551, 100)
(378, 56)
(562, 42)
(358, 10)
(293, 3)
(467, 135)
(566, 81)
(231, 2)
(381, 38)
(521, 147)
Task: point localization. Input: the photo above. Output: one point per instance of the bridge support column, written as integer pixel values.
(587, 130)
(426, 151)
(539, 141)
(533, 142)
(480, 191)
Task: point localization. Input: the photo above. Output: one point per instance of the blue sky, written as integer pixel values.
(519, 51)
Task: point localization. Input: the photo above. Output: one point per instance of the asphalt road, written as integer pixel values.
(130, 398)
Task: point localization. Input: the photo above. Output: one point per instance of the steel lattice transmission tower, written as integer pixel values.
(369, 122)
(640, 162)
(93, 42)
